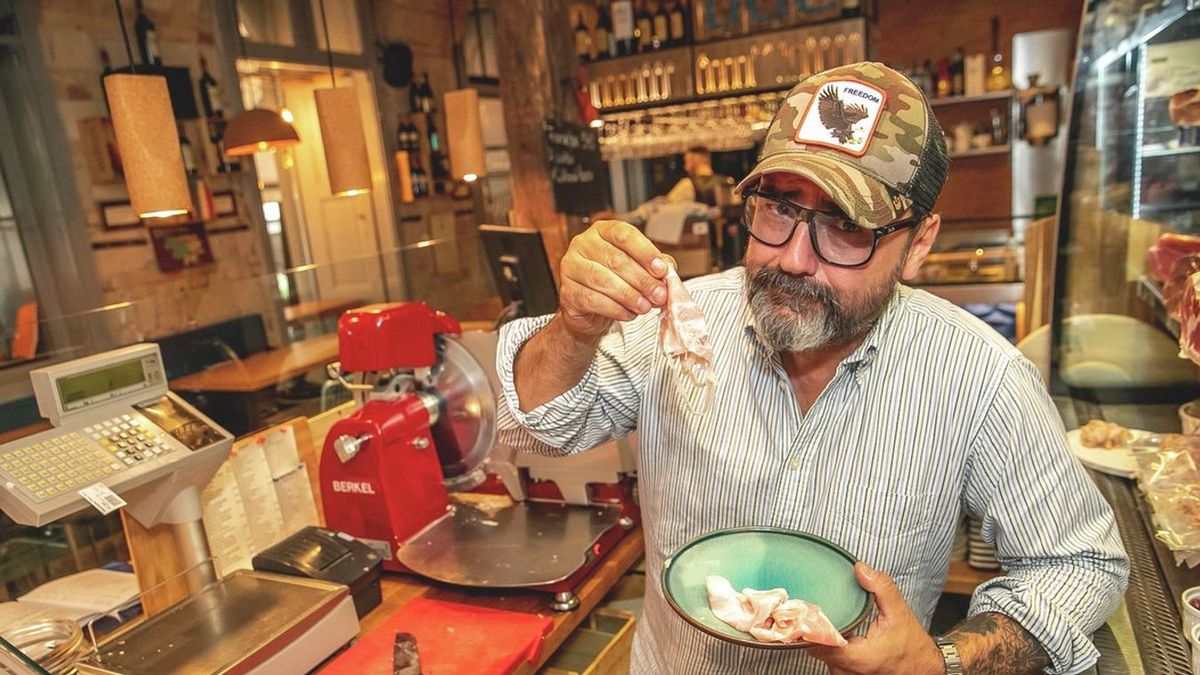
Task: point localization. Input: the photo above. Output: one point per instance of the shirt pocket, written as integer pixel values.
(886, 528)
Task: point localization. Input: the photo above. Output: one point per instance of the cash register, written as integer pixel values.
(120, 438)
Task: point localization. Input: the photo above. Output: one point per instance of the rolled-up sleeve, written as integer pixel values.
(602, 406)
(1065, 567)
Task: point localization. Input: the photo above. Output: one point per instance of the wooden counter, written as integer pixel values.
(398, 589)
(318, 309)
(265, 369)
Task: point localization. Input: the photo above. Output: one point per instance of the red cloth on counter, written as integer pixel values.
(452, 639)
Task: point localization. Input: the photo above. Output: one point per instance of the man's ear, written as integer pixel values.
(921, 244)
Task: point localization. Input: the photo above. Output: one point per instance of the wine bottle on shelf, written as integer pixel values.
(928, 78)
(644, 27)
(432, 135)
(401, 134)
(147, 37)
(998, 79)
(210, 94)
(957, 70)
(662, 27)
(426, 94)
(583, 39)
(105, 69)
(623, 27)
(185, 147)
(678, 23)
(602, 38)
(942, 84)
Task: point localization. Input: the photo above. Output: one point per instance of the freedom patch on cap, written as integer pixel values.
(842, 116)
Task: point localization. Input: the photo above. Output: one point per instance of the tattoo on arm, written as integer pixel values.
(993, 644)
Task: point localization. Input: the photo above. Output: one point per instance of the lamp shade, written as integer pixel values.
(465, 134)
(149, 144)
(344, 141)
(258, 130)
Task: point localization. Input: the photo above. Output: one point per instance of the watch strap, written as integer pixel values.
(950, 656)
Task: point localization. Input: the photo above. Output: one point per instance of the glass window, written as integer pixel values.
(344, 32)
(266, 21)
(1131, 211)
(479, 46)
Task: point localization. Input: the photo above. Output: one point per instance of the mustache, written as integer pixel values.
(796, 291)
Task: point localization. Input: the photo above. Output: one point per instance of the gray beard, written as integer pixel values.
(795, 314)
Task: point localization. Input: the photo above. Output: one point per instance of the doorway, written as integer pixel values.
(328, 251)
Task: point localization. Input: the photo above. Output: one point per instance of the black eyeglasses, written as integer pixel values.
(836, 239)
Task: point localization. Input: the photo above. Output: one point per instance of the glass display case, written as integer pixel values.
(1129, 234)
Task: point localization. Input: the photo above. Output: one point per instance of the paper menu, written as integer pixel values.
(296, 500)
(225, 523)
(279, 444)
(253, 475)
(79, 597)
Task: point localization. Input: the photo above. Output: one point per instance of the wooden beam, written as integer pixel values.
(536, 55)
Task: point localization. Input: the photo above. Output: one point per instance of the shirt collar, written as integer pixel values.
(866, 352)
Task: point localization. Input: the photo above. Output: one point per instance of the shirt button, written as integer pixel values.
(794, 464)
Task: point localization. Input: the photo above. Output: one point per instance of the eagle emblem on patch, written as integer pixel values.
(842, 115)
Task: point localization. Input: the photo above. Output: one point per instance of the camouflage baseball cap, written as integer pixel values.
(864, 134)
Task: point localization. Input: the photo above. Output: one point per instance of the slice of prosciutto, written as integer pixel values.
(795, 620)
(769, 616)
(742, 610)
(683, 337)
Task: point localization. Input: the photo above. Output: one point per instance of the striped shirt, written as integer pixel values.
(932, 415)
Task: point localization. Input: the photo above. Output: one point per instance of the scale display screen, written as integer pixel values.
(79, 390)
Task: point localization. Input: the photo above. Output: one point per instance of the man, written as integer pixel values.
(846, 405)
(700, 184)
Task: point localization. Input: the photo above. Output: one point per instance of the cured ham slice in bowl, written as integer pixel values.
(798, 573)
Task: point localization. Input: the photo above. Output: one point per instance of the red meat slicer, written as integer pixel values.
(395, 472)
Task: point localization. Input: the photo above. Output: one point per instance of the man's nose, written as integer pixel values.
(798, 255)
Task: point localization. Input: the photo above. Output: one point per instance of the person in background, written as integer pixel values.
(700, 184)
(847, 405)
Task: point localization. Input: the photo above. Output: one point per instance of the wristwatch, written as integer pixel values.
(949, 655)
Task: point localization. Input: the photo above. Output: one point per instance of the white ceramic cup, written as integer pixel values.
(1191, 615)
(1194, 637)
(1189, 417)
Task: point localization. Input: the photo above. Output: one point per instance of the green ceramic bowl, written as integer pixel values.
(809, 567)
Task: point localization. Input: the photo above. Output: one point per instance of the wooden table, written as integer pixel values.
(264, 369)
(316, 309)
(398, 589)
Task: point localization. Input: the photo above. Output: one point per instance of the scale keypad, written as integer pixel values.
(76, 459)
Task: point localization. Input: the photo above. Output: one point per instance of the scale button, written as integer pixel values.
(114, 466)
(120, 454)
(129, 460)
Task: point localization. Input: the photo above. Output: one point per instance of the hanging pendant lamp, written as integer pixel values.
(257, 129)
(342, 133)
(464, 131)
(147, 139)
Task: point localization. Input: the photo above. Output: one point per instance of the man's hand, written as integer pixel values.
(895, 642)
(611, 272)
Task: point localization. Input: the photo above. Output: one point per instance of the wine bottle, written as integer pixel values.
(105, 69)
(431, 134)
(957, 72)
(679, 23)
(210, 95)
(602, 36)
(426, 94)
(928, 78)
(147, 37)
(998, 78)
(643, 29)
(623, 27)
(185, 147)
(662, 27)
(583, 40)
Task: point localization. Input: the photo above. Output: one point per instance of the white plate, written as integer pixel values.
(1117, 461)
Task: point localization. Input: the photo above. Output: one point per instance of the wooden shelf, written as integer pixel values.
(980, 152)
(990, 96)
(1164, 151)
(962, 578)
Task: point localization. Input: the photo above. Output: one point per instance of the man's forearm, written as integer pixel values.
(993, 644)
(550, 363)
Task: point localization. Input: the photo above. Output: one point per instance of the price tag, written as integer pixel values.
(105, 500)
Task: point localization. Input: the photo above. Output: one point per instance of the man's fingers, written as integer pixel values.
(888, 598)
(597, 278)
(584, 301)
(635, 244)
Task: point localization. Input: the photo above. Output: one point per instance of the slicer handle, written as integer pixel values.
(347, 446)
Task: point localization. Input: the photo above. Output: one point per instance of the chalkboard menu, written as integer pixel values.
(576, 169)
